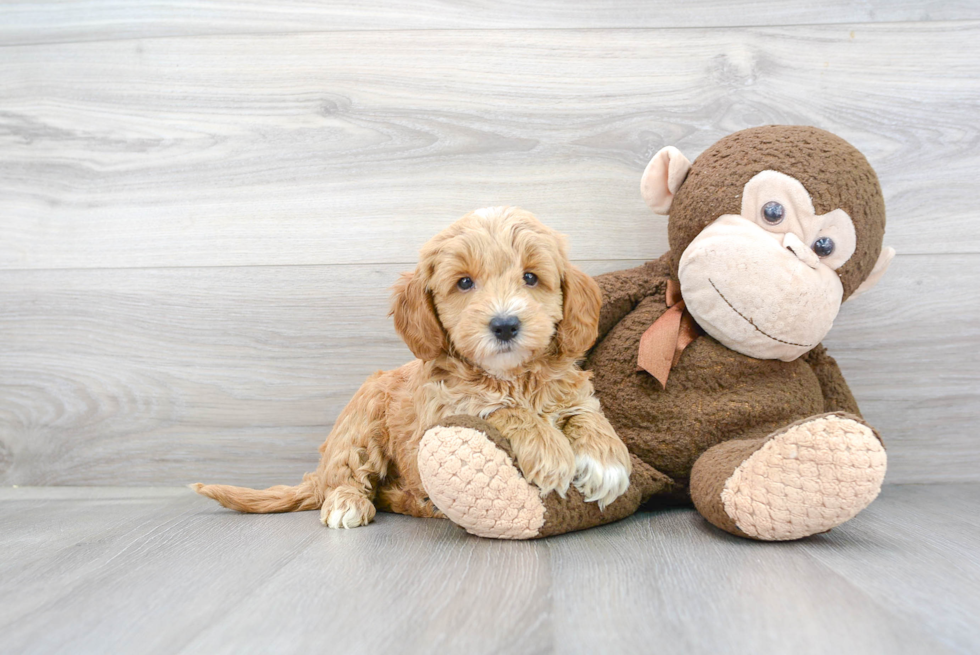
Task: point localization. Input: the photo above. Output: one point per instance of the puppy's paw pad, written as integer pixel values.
(600, 482)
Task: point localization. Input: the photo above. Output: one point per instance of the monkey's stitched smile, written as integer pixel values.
(752, 323)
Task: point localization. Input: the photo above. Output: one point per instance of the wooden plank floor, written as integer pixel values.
(98, 570)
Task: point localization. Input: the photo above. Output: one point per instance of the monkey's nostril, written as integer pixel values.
(505, 328)
(793, 243)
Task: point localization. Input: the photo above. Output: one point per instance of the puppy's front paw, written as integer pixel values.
(602, 470)
(547, 462)
(346, 508)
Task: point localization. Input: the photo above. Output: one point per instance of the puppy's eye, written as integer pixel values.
(464, 284)
(530, 279)
(824, 246)
(773, 212)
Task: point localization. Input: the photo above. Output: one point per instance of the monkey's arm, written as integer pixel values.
(622, 290)
(837, 396)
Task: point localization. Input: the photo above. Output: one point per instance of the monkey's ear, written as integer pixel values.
(415, 317)
(884, 259)
(663, 177)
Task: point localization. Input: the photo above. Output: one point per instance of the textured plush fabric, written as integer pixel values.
(714, 394)
(753, 294)
(806, 479)
(835, 174)
(474, 482)
(836, 394)
(723, 405)
(573, 513)
(710, 474)
(481, 425)
(663, 176)
(469, 473)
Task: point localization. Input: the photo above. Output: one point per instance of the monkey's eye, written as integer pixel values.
(773, 212)
(464, 284)
(824, 246)
(530, 279)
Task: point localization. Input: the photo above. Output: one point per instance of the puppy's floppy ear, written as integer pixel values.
(581, 301)
(415, 316)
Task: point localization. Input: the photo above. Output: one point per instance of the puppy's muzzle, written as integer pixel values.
(505, 328)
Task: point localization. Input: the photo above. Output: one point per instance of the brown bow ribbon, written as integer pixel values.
(664, 341)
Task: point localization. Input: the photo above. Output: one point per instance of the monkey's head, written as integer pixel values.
(770, 230)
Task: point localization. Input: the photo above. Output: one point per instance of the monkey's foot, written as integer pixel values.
(475, 483)
(468, 471)
(804, 480)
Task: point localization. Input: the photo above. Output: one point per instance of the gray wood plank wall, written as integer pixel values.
(202, 206)
(47, 21)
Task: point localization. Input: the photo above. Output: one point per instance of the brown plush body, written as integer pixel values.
(669, 427)
(708, 362)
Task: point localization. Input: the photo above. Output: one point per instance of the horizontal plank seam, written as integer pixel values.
(938, 23)
(4, 270)
(324, 265)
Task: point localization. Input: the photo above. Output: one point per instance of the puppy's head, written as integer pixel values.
(497, 288)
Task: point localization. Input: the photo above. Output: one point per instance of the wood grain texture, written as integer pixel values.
(197, 233)
(164, 571)
(166, 376)
(909, 351)
(703, 591)
(944, 536)
(98, 20)
(235, 375)
(306, 148)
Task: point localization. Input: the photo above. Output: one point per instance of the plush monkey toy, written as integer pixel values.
(708, 361)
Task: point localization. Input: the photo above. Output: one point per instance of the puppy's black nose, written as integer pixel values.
(505, 328)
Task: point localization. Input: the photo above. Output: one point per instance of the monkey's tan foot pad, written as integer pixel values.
(468, 470)
(807, 479)
(476, 484)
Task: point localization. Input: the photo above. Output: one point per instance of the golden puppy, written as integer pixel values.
(498, 318)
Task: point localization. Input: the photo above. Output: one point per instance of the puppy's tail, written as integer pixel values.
(280, 498)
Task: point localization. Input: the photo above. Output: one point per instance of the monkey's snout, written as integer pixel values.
(804, 253)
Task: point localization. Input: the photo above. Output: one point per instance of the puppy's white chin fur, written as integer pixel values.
(504, 364)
